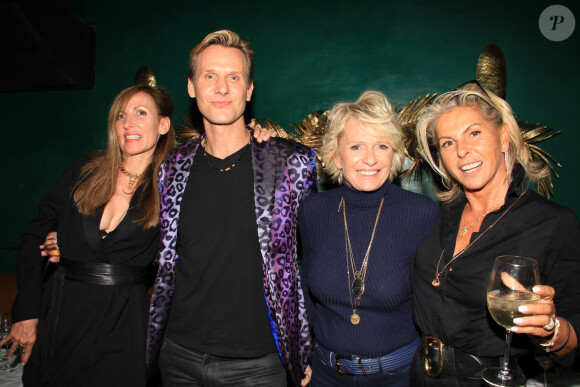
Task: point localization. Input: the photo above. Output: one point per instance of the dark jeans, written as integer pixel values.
(182, 366)
(326, 374)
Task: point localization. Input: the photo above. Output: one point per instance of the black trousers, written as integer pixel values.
(181, 366)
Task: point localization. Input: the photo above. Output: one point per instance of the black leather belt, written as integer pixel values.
(443, 360)
(104, 273)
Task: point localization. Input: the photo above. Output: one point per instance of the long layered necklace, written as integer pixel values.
(357, 285)
(436, 281)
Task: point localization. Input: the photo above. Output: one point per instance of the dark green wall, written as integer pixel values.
(309, 55)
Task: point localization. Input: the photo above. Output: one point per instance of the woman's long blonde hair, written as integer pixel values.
(98, 177)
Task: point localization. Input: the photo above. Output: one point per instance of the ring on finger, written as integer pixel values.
(551, 325)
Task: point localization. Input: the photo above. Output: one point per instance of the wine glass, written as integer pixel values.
(510, 285)
(544, 362)
(4, 331)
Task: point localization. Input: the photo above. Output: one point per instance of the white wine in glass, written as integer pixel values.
(510, 286)
(503, 305)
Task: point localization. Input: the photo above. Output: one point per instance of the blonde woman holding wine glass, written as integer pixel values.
(470, 137)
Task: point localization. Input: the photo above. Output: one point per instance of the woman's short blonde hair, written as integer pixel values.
(492, 108)
(374, 113)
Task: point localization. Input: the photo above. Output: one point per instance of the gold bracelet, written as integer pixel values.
(550, 343)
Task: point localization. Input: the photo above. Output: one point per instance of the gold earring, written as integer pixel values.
(444, 184)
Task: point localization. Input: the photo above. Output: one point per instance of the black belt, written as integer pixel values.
(104, 273)
(88, 272)
(440, 359)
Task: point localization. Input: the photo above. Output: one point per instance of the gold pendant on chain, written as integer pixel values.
(354, 319)
(358, 288)
(436, 282)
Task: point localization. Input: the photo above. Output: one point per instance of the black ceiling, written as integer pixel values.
(43, 47)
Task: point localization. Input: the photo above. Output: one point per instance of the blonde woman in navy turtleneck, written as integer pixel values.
(358, 242)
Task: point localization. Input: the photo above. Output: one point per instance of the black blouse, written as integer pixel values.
(456, 311)
(100, 333)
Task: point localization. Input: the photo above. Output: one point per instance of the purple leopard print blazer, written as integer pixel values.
(284, 173)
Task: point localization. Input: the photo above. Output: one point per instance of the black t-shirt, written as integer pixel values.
(219, 306)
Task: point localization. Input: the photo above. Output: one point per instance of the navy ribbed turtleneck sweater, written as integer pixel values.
(386, 321)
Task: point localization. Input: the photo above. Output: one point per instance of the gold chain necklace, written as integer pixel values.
(133, 177)
(463, 230)
(226, 168)
(357, 286)
(436, 281)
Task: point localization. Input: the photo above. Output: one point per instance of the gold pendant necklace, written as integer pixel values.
(133, 177)
(463, 229)
(357, 286)
(436, 281)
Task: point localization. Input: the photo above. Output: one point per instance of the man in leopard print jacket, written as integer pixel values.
(228, 303)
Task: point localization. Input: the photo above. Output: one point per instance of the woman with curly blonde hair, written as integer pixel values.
(358, 241)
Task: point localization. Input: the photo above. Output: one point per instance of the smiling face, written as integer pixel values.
(220, 85)
(471, 149)
(138, 127)
(364, 158)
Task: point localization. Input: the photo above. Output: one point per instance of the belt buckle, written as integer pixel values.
(339, 365)
(432, 356)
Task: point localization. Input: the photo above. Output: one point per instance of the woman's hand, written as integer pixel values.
(541, 323)
(541, 327)
(50, 248)
(23, 334)
(261, 134)
(543, 313)
(307, 377)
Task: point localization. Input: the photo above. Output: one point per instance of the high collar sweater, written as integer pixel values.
(385, 307)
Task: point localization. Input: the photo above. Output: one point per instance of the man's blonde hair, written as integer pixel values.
(223, 38)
